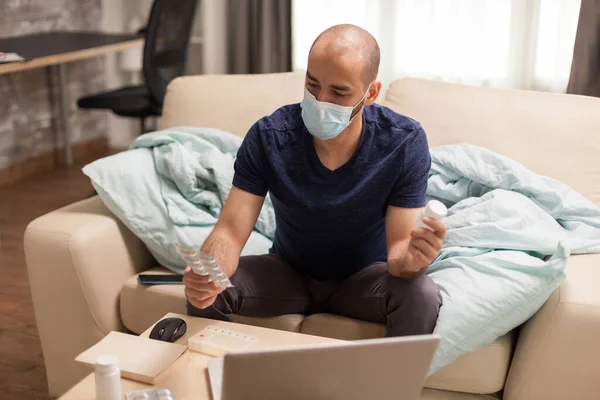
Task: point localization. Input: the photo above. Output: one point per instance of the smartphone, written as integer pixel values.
(160, 279)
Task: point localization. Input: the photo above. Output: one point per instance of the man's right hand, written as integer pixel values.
(225, 243)
(200, 292)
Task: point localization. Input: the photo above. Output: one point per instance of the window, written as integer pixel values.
(524, 44)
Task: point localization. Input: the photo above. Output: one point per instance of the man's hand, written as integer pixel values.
(424, 246)
(200, 292)
(225, 244)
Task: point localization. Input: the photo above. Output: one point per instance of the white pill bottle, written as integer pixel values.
(108, 378)
(434, 209)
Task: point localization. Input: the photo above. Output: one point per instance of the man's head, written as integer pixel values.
(343, 63)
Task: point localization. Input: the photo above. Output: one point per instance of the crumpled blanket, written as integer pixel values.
(510, 231)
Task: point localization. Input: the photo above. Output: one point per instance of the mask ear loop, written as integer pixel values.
(359, 105)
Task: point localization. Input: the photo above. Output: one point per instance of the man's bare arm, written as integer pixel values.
(233, 228)
(399, 223)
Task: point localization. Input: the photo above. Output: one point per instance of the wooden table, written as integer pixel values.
(188, 377)
(56, 49)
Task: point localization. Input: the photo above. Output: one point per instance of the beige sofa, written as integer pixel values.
(83, 262)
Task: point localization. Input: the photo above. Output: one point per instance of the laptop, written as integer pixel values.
(386, 368)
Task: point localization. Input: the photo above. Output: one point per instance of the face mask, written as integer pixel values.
(326, 121)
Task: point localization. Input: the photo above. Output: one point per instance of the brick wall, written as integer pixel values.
(29, 103)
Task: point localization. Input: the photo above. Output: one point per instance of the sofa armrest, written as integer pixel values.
(558, 349)
(78, 258)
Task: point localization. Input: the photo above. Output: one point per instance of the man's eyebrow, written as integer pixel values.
(312, 78)
(341, 88)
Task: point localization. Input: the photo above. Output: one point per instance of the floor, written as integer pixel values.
(22, 373)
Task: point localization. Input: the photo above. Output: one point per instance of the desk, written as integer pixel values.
(55, 49)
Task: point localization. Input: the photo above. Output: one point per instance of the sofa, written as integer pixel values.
(83, 262)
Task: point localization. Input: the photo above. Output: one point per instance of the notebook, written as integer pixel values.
(140, 358)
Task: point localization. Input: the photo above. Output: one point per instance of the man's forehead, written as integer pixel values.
(341, 69)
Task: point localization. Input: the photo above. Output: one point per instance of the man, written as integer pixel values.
(347, 179)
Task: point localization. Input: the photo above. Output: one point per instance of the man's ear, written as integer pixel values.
(373, 93)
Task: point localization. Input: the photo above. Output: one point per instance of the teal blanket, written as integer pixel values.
(510, 230)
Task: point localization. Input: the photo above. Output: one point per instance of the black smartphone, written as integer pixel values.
(160, 279)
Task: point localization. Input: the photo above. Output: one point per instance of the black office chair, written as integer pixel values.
(167, 37)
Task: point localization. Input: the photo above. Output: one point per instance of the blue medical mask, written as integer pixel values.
(326, 121)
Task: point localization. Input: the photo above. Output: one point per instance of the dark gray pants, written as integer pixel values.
(267, 286)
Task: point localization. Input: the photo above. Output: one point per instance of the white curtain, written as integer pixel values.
(521, 44)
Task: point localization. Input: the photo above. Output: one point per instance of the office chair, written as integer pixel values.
(167, 37)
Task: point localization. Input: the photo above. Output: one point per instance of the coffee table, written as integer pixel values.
(188, 376)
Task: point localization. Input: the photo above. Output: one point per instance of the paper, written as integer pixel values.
(10, 57)
(215, 375)
(141, 359)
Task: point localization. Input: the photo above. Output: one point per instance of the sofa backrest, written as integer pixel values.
(552, 134)
(228, 102)
(556, 135)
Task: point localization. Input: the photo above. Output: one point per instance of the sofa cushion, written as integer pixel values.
(483, 371)
(141, 306)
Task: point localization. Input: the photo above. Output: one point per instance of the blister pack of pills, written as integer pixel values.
(151, 394)
(217, 341)
(204, 264)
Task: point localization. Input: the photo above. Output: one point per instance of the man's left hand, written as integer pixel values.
(424, 246)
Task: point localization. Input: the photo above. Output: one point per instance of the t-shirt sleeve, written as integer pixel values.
(251, 167)
(409, 190)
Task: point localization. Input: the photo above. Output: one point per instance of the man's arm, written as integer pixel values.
(410, 250)
(225, 244)
(237, 219)
(235, 224)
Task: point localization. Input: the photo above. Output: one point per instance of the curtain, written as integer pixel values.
(523, 44)
(260, 34)
(585, 70)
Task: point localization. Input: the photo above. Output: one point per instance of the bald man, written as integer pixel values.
(347, 178)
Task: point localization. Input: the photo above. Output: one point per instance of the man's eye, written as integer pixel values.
(312, 85)
(336, 94)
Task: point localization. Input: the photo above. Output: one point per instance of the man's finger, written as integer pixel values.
(434, 240)
(200, 294)
(438, 226)
(202, 304)
(209, 287)
(190, 275)
(192, 293)
(419, 259)
(424, 247)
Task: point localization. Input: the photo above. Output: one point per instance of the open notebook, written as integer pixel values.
(141, 359)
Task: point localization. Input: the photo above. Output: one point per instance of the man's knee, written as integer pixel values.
(415, 306)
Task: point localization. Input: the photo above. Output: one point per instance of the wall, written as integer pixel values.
(29, 105)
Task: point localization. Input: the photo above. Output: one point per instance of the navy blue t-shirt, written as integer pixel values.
(330, 224)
